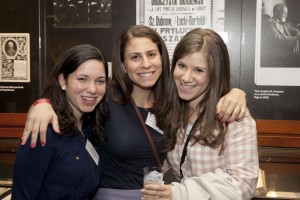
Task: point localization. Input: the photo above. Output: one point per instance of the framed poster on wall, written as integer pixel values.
(270, 78)
(19, 55)
(173, 19)
(14, 57)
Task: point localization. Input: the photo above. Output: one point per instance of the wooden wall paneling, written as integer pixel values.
(12, 124)
(274, 133)
(278, 133)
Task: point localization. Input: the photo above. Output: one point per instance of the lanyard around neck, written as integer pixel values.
(184, 151)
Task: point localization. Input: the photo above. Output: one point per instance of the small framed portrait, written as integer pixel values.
(10, 47)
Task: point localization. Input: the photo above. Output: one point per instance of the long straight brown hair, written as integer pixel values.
(212, 131)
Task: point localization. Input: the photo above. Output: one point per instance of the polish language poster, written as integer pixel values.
(172, 19)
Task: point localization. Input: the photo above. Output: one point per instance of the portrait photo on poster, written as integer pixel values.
(14, 57)
(277, 43)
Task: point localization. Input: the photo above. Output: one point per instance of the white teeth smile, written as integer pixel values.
(146, 74)
(89, 98)
(184, 86)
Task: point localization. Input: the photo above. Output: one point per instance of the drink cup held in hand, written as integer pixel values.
(153, 175)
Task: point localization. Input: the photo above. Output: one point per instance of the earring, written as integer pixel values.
(124, 68)
(63, 87)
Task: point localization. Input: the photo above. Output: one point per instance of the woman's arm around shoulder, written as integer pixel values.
(232, 106)
(38, 118)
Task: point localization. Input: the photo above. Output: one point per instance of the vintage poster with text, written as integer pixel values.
(172, 19)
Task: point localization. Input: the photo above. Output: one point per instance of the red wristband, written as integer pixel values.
(44, 100)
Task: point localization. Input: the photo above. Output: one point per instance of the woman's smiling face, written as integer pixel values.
(85, 87)
(142, 62)
(191, 77)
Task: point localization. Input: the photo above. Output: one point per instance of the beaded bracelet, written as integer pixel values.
(43, 100)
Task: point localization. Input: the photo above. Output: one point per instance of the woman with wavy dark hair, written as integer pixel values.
(68, 166)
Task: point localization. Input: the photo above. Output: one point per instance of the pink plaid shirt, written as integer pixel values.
(239, 157)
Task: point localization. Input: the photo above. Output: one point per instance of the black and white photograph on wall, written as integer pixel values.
(277, 49)
(272, 92)
(82, 13)
(14, 57)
